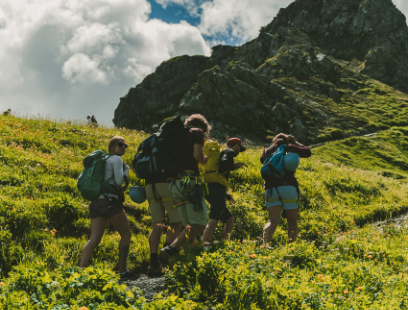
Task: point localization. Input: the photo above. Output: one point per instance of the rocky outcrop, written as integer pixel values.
(307, 73)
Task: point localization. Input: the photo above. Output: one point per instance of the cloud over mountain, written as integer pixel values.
(72, 58)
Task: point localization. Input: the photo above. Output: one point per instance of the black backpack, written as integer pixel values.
(164, 153)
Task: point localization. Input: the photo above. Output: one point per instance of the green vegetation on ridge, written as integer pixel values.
(339, 262)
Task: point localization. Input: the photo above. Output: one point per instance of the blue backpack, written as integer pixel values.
(273, 165)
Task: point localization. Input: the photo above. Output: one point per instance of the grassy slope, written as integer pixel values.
(343, 188)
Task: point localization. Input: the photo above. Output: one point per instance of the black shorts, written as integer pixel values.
(218, 203)
(104, 207)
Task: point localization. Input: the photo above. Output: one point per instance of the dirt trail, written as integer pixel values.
(149, 286)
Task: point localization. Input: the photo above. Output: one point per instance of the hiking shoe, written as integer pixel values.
(154, 271)
(128, 275)
(167, 253)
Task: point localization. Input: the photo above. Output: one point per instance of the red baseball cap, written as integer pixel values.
(237, 140)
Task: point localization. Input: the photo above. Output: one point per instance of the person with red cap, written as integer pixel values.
(218, 192)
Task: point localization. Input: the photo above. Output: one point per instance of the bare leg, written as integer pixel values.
(173, 232)
(228, 228)
(154, 237)
(209, 230)
(291, 216)
(270, 227)
(190, 233)
(121, 224)
(98, 226)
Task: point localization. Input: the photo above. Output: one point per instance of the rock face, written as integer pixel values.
(315, 71)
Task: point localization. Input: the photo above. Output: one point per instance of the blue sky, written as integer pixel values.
(173, 13)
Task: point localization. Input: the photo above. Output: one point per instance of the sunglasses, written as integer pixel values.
(120, 144)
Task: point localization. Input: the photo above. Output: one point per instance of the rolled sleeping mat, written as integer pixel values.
(291, 161)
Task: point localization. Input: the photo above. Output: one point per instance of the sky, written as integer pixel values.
(70, 58)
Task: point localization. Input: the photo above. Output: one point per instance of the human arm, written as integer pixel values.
(268, 152)
(301, 150)
(120, 170)
(199, 154)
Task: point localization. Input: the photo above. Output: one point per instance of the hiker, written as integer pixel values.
(88, 120)
(108, 207)
(94, 122)
(277, 190)
(7, 113)
(218, 191)
(160, 201)
(187, 189)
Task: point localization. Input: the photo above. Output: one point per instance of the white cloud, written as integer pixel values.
(71, 58)
(239, 19)
(402, 5)
(184, 3)
(81, 69)
(233, 20)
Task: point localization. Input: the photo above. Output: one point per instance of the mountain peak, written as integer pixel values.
(318, 71)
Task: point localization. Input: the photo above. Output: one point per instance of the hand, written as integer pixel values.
(229, 197)
(292, 139)
(239, 165)
(205, 160)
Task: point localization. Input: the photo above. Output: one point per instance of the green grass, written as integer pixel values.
(345, 186)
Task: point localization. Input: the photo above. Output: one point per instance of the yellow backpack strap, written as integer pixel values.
(150, 201)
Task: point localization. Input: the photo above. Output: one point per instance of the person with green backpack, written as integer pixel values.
(216, 173)
(101, 183)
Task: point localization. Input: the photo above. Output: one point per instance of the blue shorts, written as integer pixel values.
(285, 192)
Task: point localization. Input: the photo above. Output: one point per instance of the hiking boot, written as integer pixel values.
(154, 271)
(167, 253)
(128, 275)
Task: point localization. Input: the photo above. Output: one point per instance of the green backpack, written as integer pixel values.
(91, 180)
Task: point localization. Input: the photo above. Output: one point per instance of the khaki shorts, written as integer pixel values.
(158, 208)
(186, 211)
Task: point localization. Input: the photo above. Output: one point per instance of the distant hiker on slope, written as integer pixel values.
(6, 113)
(108, 206)
(216, 174)
(94, 121)
(188, 189)
(280, 162)
(88, 120)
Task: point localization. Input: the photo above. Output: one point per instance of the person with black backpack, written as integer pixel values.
(94, 121)
(280, 162)
(218, 195)
(107, 204)
(188, 189)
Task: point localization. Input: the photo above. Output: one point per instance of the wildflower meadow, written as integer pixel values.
(342, 259)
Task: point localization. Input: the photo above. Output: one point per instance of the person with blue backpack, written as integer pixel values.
(101, 183)
(280, 162)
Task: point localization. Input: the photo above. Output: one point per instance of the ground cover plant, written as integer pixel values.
(340, 261)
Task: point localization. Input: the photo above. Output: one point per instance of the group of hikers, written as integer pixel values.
(182, 168)
(91, 121)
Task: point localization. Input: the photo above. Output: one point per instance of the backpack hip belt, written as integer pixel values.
(194, 195)
(297, 200)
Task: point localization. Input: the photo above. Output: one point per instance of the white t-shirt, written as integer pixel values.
(114, 167)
